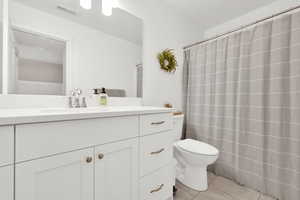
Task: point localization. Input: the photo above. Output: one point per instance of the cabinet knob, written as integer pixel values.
(89, 159)
(100, 156)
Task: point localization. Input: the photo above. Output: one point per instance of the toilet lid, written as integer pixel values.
(197, 147)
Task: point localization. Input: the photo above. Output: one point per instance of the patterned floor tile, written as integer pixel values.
(234, 190)
(182, 195)
(264, 197)
(219, 189)
(186, 189)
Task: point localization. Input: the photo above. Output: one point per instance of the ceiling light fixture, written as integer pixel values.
(107, 6)
(86, 4)
(115, 3)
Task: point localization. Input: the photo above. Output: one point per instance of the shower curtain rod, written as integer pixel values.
(242, 27)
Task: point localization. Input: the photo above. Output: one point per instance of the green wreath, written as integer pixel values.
(167, 60)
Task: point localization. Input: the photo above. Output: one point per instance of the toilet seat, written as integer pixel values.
(197, 147)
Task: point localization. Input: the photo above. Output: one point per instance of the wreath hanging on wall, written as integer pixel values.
(167, 60)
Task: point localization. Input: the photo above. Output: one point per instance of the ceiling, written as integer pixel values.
(205, 13)
(121, 24)
(209, 13)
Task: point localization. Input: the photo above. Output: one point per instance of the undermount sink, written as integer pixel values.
(73, 110)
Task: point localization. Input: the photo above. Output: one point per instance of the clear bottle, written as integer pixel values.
(103, 97)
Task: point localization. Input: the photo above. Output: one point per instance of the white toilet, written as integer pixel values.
(192, 158)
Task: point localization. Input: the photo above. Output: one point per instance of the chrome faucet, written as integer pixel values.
(76, 92)
(76, 95)
(70, 102)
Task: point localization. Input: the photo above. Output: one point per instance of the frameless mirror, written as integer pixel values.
(57, 45)
(1, 43)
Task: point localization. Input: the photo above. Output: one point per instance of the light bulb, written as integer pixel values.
(86, 4)
(115, 3)
(107, 6)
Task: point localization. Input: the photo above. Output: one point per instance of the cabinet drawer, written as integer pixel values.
(155, 151)
(156, 123)
(39, 140)
(6, 145)
(157, 186)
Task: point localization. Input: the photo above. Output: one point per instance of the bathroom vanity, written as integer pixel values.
(85, 154)
(95, 153)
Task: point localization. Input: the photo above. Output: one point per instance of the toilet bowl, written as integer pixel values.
(193, 158)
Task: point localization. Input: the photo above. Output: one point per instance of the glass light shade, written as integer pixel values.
(115, 3)
(107, 6)
(86, 4)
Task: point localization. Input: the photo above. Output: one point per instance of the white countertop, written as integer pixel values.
(35, 115)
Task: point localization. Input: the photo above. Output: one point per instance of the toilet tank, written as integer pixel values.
(178, 125)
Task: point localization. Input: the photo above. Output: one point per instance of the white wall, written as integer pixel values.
(97, 59)
(163, 28)
(1, 46)
(252, 16)
(40, 54)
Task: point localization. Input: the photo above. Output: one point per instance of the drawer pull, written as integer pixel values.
(157, 123)
(158, 189)
(157, 152)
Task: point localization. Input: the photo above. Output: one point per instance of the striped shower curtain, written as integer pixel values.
(243, 97)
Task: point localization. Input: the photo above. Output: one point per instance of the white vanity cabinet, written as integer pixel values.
(6, 145)
(116, 171)
(156, 154)
(109, 171)
(107, 158)
(6, 183)
(65, 176)
(6, 162)
(44, 139)
(156, 151)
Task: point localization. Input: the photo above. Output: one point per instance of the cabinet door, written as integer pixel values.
(62, 177)
(6, 183)
(116, 171)
(6, 145)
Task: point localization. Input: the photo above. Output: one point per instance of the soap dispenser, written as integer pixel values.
(103, 97)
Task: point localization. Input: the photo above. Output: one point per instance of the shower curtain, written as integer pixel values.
(242, 95)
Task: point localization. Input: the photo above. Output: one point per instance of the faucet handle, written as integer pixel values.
(70, 102)
(76, 92)
(83, 104)
(77, 103)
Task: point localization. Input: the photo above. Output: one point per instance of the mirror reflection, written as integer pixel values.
(37, 64)
(59, 45)
(1, 44)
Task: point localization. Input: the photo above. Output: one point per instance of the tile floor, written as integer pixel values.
(219, 189)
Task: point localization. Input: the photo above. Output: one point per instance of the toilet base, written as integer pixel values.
(195, 178)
